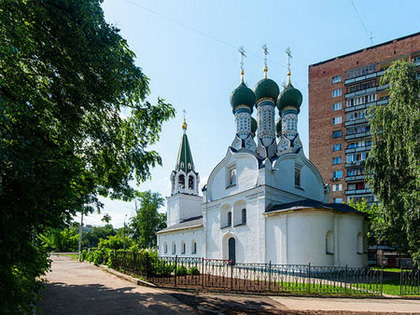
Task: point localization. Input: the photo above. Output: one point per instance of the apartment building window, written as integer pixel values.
(356, 115)
(356, 186)
(337, 134)
(337, 106)
(336, 93)
(337, 160)
(336, 147)
(351, 158)
(361, 86)
(337, 174)
(355, 171)
(338, 200)
(337, 187)
(359, 144)
(336, 79)
(337, 120)
(358, 129)
(365, 70)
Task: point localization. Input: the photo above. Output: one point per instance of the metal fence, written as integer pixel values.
(215, 274)
(410, 282)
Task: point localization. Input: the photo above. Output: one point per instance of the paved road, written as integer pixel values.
(81, 288)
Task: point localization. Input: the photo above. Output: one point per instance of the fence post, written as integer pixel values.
(401, 279)
(176, 267)
(202, 272)
(147, 265)
(382, 279)
(309, 278)
(345, 281)
(269, 276)
(231, 276)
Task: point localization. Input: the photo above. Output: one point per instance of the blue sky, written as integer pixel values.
(188, 49)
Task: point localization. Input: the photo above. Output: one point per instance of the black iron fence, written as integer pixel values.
(215, 274)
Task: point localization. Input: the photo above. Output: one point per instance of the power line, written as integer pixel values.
(197, 31)
(363, 24)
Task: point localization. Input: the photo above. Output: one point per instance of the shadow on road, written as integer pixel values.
(61, 298)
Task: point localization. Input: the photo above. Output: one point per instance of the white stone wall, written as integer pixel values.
(181, 207)
(188, 236)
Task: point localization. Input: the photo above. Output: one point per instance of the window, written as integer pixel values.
(365, 70)
(229, 218)
(183, 248)
(338, 200)
(194, 248)
(336, 147)
(336, 93)
(173, 248)
(337, 187)
(337, 134)
(355, 171)
(337, 160)
(165, 248)
(190, 182)
(337, 174)
(181, 181)
(337, 106)
(297, 177)
(232, 176)
(336, 120)
(336, 79)
(243, 216)
(329, 243)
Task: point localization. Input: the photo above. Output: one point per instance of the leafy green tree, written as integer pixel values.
(148, 220)
(106, 218)
(394, 162)
(115, 242)
(61, 240)
(98, 232)
(65, 78)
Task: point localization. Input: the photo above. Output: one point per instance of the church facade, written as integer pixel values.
(265, 201)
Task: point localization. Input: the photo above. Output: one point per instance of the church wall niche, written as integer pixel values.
(238, 206)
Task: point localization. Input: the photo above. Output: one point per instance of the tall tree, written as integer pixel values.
(147, 220)
(65, 77)
(394, 161)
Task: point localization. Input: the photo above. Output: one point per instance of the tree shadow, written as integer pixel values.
(61, 298)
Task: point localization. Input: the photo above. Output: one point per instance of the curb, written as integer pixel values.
(127, 277)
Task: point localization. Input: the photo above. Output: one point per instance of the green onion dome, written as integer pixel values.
(289, 97)
(266, 88)
(242, 95)
(278, 127)
(254, 125)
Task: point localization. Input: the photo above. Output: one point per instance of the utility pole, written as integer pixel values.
(124, 231)
(80, 237)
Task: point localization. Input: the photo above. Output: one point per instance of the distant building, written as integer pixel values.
(340, 91)
(265, 201)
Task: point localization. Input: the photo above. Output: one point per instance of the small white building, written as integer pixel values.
(265, 201)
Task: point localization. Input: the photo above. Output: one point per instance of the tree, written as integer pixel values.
(147, 220)
(393, 166)
(66, 77)
(106, 218)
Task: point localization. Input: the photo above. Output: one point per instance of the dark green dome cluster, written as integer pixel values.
(254, 125)
(289, 97)
(266, 88)
(242, 95)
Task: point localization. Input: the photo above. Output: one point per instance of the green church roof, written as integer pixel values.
(184, 161)
(266, 88)
(290, 96)
(242, 95)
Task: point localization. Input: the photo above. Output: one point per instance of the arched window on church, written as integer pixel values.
(183, 247)
(229, 218)
(329, 243)
(243, 216)
(181, 181)
(194, 247)
(190, 182)
(359, 243)
(173, 248)
(165, 248)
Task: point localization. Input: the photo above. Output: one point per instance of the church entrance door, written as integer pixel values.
(232, 250)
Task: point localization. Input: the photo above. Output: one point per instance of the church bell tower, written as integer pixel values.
(184, 201)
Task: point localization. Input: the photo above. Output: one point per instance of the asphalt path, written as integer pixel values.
(81, 288)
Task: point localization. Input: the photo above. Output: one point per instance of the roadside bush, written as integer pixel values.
(193, 271)
(181, 271)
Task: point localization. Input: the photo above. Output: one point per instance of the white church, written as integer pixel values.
(265, 201)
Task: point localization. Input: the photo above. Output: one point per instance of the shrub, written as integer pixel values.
(193, 271)
(181, 271)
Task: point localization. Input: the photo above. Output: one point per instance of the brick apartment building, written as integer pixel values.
(340, 91)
